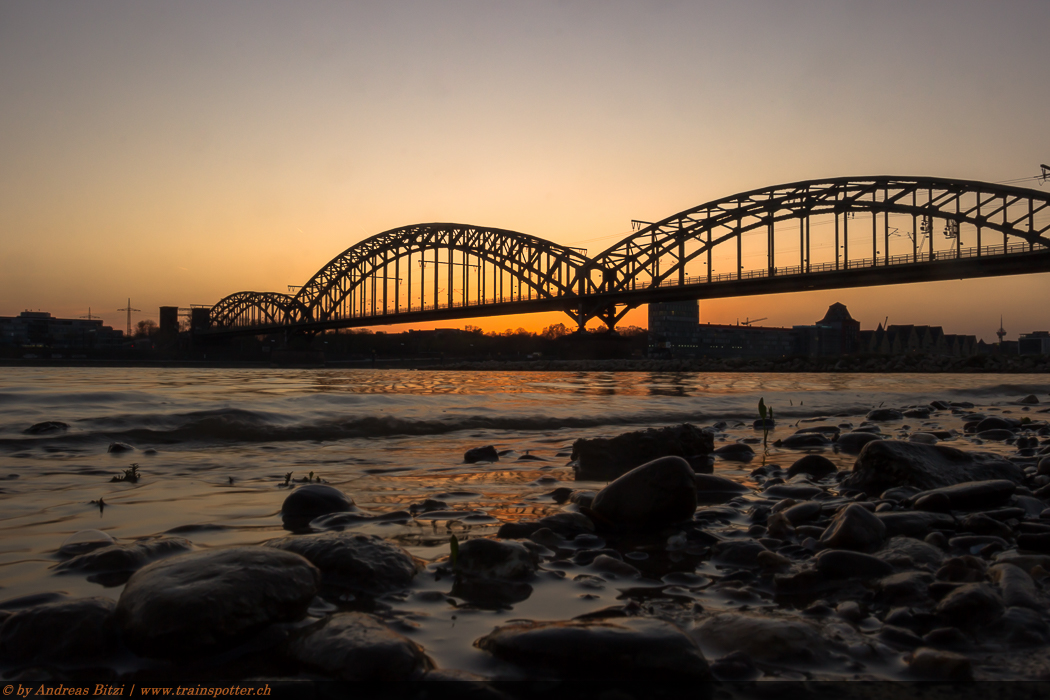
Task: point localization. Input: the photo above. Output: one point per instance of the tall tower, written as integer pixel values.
(1001, 332)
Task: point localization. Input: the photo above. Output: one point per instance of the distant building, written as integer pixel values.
(674, 328)
(1034, 343)
(910, 339)
(41, 329)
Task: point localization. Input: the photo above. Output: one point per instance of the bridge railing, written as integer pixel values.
(907, 259)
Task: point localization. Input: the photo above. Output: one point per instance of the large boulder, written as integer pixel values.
(308, 502)
(192, 604)
(495, 559)
(887, 463)
(355, 646)
(362, 563)
(649, 497)
(73, 631)
(602, 459)
(625, 648)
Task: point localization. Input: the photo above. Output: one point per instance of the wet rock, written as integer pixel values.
(839, 563)
(118, 447)
(735, 452)
(899, 637)
(355, 518)
(803, 512)
(946, 638)
(884, 414)
(1017, 587)
(915, 524)
(190, 604)
(361, 563)
(602, 459)
(495, 559)
(1031, 399)
(737, 666)
(764, 424)
(567, 524)
(481, 454)
(83, 542)
(909, 587)
(924, 438)
(996, 435)
(853, 443)
(889, 463)
(973, 495)
(764, 638)
(125, 558)
(716, 489)
(622, 648)
(855, 528)
(816, 466)
(608, 565)
(980, 524)
(354, 646)
(50, 426)
(1021, 627)
(797, 491)
(798, 442)
(313, 500)
(430, 504)
(933, 664)
(971, 604)
(933, 503)
(738, 552)
(996, 423)
(73, 631)
(917, 413)
(907, 552)
(1043, 468)
(649, 497)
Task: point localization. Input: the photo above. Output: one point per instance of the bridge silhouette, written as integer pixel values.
(816, 234)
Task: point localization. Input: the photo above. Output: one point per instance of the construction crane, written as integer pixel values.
(129, 310)
(748, 322)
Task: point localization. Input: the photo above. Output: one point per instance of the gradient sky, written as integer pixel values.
(177, 152)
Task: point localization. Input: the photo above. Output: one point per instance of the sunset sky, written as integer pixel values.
(177, 152)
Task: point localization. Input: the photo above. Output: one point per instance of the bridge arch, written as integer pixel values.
(681, 248)
(443, 265)
(250, 309)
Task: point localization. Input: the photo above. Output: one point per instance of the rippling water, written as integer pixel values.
(214, 446)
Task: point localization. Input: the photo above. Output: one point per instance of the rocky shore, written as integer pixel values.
(1009, 364)
(929, 559)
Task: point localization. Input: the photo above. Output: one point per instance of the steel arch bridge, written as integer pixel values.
(816, 234)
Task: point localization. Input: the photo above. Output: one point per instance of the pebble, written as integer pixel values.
(971, 604)
(884, 414)
(117, 558)
(495, 559)
(816, 466)
(933, 664)
(855, 528)
(622, 648)
(840, 563)
(772, 638)
(649, 497)
(356, 646)
(893, 463)
(67, 632)
(361, 563)
(481, 454)
(601, 459)
(190, 604)
(853, 443)
(973, 495)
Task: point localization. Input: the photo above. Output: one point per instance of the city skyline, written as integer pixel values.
(177, 154)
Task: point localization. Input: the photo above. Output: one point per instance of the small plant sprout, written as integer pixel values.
(453, 552)
(766, 414)
(288, 478)
(130, 475)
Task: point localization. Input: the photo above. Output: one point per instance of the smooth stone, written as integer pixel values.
(904, 588)
(853, 443)
(924, 438)
(71, 632)
(313, 500)
(1043, 467)
(996, 435)
(973, 543)
(816, 466)
(49, 426)
(934, 664)
(1017, 587)
(720, 484)
(764, 423)
(601, 459)
(908, 551)
(797, 441)
(568, 524)
(889, 463)
(495, 559)
(980, 524)
(973, 495)
(735, 452)
(608, 565)
(825, 429)
(803, 512)
(738, 552)
(1021, 627)
(362, 563)
(118, 447)
(796, 491)
(125, 558)
(649, 497)
(1031, 399)
(189, 604)
(915, 524)
(855, 528)
(356, 646)
(884, 414)
(899, 636)
(917, 413)
(84, 541)
(932, 503)
(971, 604)
(481, 454)
(765, 638)
(996, 423)
(620, 648)
(840, 563)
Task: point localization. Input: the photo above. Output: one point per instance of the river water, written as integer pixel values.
(214, 447)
